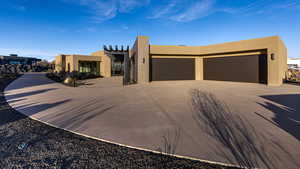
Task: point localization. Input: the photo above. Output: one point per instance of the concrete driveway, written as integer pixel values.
(143, 115)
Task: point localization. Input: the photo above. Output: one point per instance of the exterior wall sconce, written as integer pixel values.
(272, 56)
(144, 60)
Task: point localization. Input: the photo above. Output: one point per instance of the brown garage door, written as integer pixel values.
(250, 68)
(172, 69)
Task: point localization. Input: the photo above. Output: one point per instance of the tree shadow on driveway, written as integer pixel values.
(36, 79)
(78, 119)
(247, 146)
(29, 109)
(33, 109)
(8, 115)
(287, 116)
(26, 94)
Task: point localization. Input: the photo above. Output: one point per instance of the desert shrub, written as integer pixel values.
(58, 77)
(293, 75)
(84, 76)
(9, 75)
(70, 81)
(71, 78)
(73, 74)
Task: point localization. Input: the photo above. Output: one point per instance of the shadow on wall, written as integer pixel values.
(34, 82)
(248, 147)
(287, 116)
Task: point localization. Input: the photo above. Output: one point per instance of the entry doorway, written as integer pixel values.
(117, 65)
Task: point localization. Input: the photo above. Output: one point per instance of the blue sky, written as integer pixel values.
(45, 28)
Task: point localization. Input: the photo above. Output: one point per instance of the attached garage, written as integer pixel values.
(242, 68)
(249, 68)
(172, 69)
(261, 60)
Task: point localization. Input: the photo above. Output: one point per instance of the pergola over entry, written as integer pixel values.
(120, 62)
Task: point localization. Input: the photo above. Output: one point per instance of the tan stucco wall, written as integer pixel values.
(59, 65)
(276, 68)
(73, 60)
(69, 60)
(243, 45)
(105, 64)
(134, 65)
(283, 52)
(140, 51)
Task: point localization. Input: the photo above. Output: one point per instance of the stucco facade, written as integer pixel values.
(273, 47)
(70, 63)
(105, 64)
(262, 60)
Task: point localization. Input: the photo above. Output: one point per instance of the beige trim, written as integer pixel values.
(208, 56)
(235, 54)
(173, 56)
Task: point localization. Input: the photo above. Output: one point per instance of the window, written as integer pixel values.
(89, 67)
(69, 67)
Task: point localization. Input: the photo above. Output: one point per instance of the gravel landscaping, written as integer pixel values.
(26, 143)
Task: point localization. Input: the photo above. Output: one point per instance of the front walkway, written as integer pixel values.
(142, 115)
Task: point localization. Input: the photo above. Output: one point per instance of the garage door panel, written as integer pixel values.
(172, 69)
(236, 68)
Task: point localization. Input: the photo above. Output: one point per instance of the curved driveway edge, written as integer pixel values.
(27, 143)
(138, 115)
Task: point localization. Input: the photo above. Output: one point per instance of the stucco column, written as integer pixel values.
(274, 75)
(199, 68)
(75, 63)
(142, 43)
(105, 66)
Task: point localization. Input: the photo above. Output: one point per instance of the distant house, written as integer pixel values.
(294, 63)
(15, 59)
